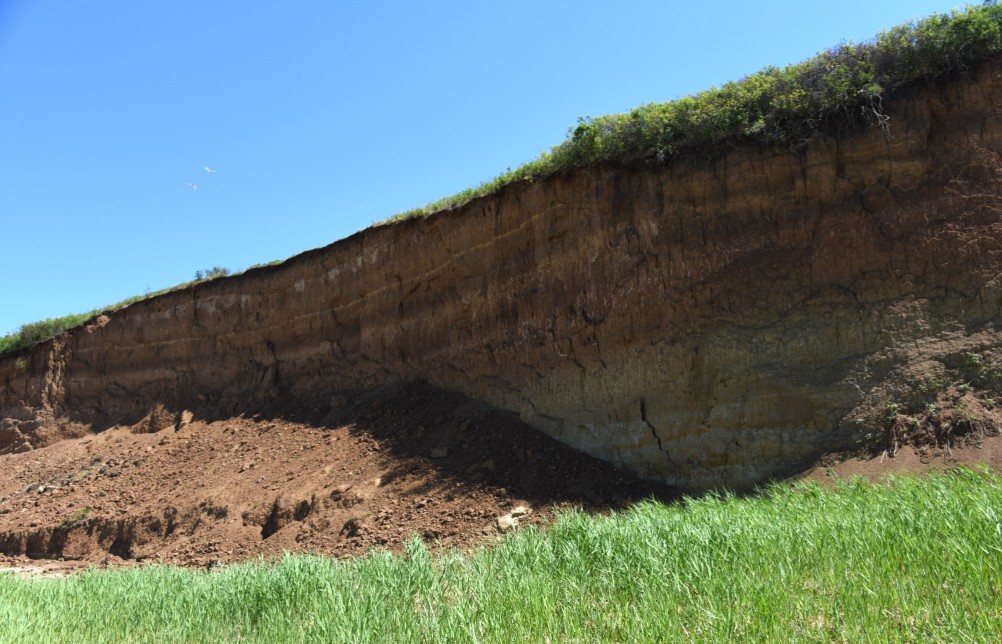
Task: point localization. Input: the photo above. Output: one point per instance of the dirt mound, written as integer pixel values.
(402, 460)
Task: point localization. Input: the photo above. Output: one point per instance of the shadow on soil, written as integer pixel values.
(470, 444)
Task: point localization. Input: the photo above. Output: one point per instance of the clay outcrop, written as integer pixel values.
(717, 321)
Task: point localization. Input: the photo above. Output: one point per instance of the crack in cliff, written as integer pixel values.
(654, 431)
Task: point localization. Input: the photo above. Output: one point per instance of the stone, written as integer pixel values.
(506, 523)
(184, 419)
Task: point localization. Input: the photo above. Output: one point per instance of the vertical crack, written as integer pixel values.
(654, 431)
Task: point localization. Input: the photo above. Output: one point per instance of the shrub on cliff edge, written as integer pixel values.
(839, 88)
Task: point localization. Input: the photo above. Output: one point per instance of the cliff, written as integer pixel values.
(716, 321)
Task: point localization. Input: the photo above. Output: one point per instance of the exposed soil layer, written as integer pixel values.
(407, 459)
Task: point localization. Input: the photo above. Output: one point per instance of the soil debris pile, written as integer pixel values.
(404, 460)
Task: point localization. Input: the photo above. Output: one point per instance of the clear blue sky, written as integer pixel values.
(320, 117)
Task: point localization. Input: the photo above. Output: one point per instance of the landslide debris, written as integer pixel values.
(405, 459)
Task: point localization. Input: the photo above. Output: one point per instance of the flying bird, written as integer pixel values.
(208, 169)
(193, 186)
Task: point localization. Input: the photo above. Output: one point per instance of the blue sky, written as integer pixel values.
(320, 117)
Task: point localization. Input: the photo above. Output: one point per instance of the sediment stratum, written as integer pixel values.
(717, 321)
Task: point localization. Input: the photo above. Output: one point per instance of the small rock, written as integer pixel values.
(184, 420)
(353, 526)
(506, 523)
(520, 511)
(439, 452)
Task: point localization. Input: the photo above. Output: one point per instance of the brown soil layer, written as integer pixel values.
(407, 459)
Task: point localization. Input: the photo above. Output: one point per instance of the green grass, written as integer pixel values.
(34, 332)
(838, 90)
(917, 559)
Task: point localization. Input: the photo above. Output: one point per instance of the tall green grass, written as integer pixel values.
(916, 559)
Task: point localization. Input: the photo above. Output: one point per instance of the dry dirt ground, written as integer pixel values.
(407, 459)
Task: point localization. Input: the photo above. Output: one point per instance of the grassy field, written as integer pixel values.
(916, 559)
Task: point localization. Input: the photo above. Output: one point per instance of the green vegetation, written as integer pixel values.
(211, 273)
(840, 89)
(79, 516)
(35, 332)
(949, 406)
(916, 559)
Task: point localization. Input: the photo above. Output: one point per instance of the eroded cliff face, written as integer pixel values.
(712, 322)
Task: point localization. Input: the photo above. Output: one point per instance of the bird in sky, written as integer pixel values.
(193, 186)
(208, 169)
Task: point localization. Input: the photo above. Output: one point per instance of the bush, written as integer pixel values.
(211, 273)
(838, 89)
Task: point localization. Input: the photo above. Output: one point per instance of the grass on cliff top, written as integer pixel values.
(840, 88)
(34, 332)
(915, 559)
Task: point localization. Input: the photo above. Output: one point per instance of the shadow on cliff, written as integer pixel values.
(469, 445)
